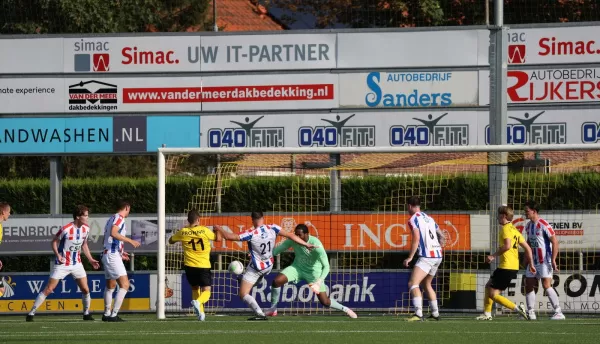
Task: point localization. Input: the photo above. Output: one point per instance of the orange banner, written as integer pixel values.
(354, 232)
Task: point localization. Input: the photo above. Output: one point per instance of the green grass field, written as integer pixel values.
(297, 329)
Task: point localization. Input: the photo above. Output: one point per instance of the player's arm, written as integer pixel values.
(114, 233)
(54, 246)
(528, 253)
(227, 235)
(506, 245)
(554, 242)
(296, 239)
(414, 244)
(322, 256)
(88, 255)
(284, 246)
(440, 235)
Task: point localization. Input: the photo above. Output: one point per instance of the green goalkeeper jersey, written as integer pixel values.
(312, 262)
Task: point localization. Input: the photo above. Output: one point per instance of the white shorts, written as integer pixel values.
(60, 271)
(113, 266)
(429, 265)
(543, 270)
(252, 275)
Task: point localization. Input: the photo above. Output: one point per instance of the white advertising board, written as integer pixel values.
(412, 49)
(577, 292)
(560, 85)
(167, 94)
(409, 89)
(268, 52)
(575, 231)
(554, 45)
(361, 129)
(132, 54)
(32, 95)
(270, 92)
(29, 56)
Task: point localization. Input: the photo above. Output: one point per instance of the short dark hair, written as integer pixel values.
(193, 216)
(256, 215)
(79, 211)
(414, 201)
(533, 205)
(122, 204)
(302, 227)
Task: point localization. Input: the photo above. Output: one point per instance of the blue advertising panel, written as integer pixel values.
(354, 290)
(72, 135)
(18, 292)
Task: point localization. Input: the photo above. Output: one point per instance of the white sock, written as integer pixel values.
(275, 297)
(553, 297)
(86, 300)
(335, 305)
(108, 297)
(530, 300)
(418, 304)
(118, 301)
(251, 302)
(38, 302)
(434, 308)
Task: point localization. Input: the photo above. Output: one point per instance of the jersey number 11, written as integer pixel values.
(199, 241)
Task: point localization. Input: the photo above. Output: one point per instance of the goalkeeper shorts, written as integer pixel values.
(295, 275)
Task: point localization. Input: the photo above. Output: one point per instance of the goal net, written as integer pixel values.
(354, 202)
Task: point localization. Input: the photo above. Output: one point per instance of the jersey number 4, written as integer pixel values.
(199, 241)
(265, 247)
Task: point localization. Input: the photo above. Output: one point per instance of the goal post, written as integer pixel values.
(370, 238)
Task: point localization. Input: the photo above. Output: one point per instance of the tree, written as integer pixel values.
(105, 16)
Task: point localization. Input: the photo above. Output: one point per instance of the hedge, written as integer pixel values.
(457, 192)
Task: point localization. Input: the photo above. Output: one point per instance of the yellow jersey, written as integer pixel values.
(196, 245)
(1, 232)
(509, 260)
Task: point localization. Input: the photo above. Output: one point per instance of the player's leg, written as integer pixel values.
(289, 274)
(429, 291)
(501, 280)
(123, 283)
(531, 285)
(420, 271)
(192, 275)
(546, 274)
(249, 279)
(109, 289)
(487, 303)
(81, 279)
(202, 278)
(58, 273)
(328, 302)
(205, 292)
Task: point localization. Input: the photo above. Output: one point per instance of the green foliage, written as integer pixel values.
(462, 192)
(107, 16)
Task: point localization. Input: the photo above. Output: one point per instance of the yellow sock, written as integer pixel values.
(504, 302)
(203, 298)
(195, 294)
(487, 302)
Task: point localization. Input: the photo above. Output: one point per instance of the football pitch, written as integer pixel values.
(297, 329)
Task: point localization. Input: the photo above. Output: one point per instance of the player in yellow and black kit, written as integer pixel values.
(195, 240)
(510, 239)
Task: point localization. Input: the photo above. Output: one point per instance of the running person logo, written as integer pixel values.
(430, 133)
(337, 135)
(246, 135)
(527, 131)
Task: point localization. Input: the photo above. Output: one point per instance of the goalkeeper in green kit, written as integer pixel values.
(311, 266)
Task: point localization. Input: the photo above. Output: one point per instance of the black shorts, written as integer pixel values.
(501, 278)
(201, 277)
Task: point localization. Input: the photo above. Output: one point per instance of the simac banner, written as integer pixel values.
(355, 290)
(18, 292)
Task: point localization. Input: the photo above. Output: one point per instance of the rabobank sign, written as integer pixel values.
(408, 89)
